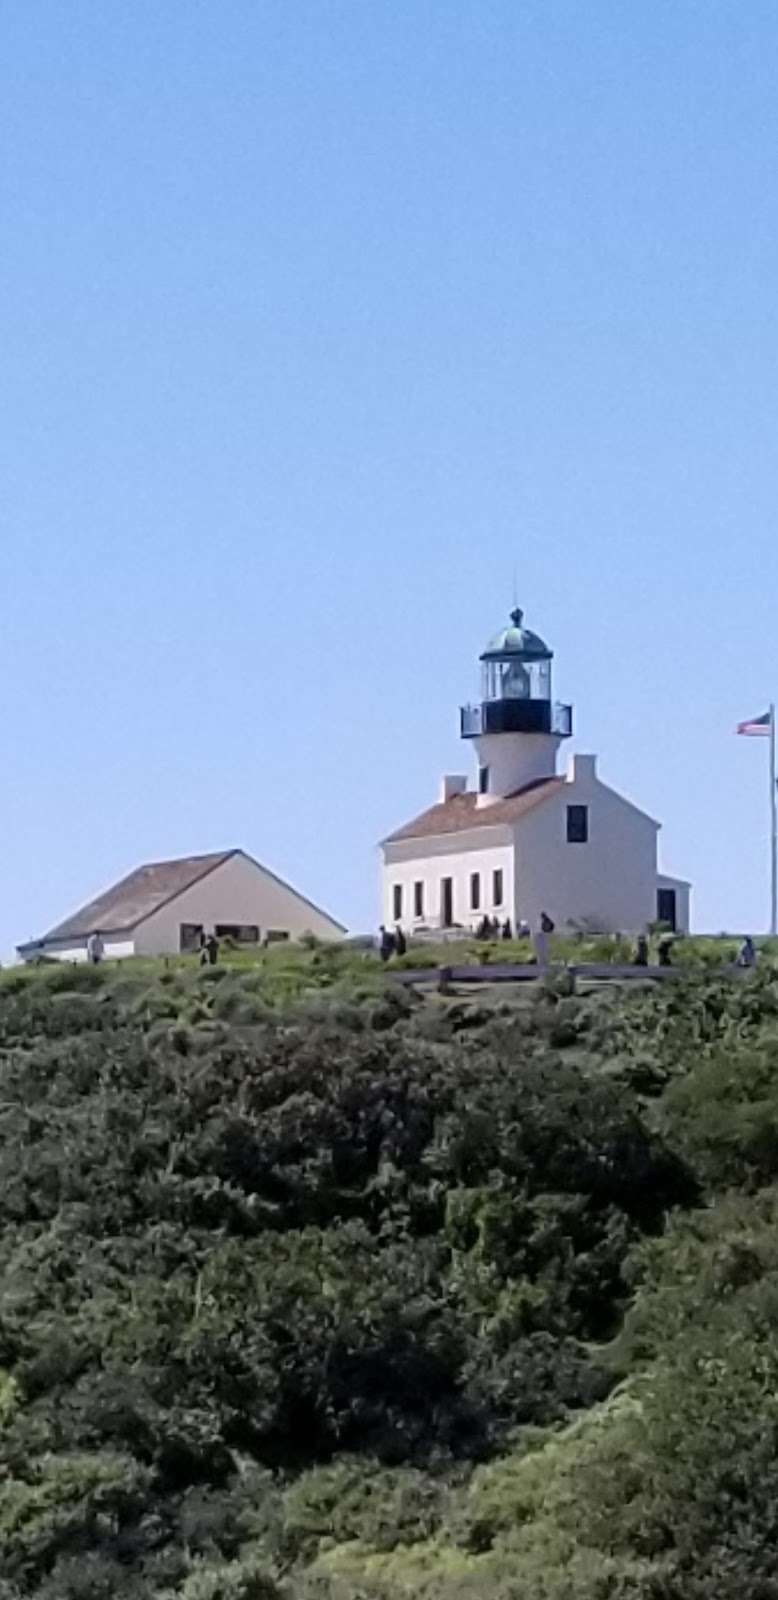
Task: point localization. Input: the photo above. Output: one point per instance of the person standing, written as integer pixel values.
(641, 951)
(95, 948)
(212, 949)
(544, 928)
(385, 943)
(400, 941)
(746, 956)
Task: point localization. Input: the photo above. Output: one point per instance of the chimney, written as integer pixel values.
(582, 769)
(450, 784)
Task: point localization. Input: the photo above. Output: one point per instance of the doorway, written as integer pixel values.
(447, 902)
(666, 908)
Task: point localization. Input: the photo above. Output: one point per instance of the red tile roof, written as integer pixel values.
(135, 898)
(461, 812)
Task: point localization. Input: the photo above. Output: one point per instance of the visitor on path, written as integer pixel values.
(212, 949)
(746, 956)
(484, 929)
(400, 941)
(641, 951)
(507, 931)
(95, 948)
(664, 950)
(385, 943)
(540, 941)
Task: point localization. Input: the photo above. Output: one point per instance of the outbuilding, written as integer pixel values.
(163, 907)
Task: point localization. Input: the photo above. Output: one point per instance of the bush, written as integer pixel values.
(310, 1286)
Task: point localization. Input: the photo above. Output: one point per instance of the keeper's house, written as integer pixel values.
(163, 907)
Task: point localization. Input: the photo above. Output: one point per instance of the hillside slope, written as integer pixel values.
(309, 1288)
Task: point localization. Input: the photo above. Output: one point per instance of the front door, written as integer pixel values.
(665, 907)
(447, 902)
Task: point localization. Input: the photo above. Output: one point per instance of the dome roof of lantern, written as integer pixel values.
(516, 640)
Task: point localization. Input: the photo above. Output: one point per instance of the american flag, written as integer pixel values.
(757, 727)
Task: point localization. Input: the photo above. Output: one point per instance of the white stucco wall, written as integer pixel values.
(514, 760)
(239, 891)
(610, 881)
(456, 856)
(115, 950)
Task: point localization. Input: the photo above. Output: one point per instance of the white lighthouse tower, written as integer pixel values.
(516, 728)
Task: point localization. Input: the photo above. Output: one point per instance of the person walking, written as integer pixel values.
(95, 948)
(641, 951)
(385, 943)
(212, 949)
(664, 950)
(746, 956)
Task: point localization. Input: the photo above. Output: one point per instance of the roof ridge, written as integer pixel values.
(431, 821)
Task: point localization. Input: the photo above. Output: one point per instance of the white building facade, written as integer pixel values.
(526, 839)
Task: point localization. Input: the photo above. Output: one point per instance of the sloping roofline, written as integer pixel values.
(88, 918)
(460, 814)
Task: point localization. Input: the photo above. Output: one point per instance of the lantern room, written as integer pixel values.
(516, 687)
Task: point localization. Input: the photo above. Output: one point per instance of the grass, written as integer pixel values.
(290, 971)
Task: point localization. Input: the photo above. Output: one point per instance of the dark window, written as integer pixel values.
(577, 824)
(189, 936)
(239, 932)
(447, 902)
(276, 935)
(497, 888)
(483, 780)
(397, 902)
(475, 890)
(666, 907)
(418, 899)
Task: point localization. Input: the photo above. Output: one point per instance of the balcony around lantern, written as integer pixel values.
(516, 716)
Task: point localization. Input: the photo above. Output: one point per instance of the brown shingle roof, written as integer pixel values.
(460, 812)
(133, 899)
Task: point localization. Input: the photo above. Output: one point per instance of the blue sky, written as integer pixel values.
(320, 317)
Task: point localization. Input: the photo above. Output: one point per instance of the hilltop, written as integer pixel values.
(311, 1287)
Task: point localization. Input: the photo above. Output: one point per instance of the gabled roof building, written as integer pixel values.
(163, 907)
(527, 839)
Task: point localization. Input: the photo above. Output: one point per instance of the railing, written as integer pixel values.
(561, 720)
(516, 716)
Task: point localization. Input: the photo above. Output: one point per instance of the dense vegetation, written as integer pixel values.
(314, 1288)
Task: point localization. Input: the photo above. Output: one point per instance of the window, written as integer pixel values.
(666, 908)
(418, 899)
(475, 890)
(497, 887)
(239, 932)
(483, 780)
(189, 937)
(397, 902)
(577, 824)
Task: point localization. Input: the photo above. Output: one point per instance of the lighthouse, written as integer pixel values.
(517, 727)
(525, 838)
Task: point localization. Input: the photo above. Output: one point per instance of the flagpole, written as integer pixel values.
(773, 831)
